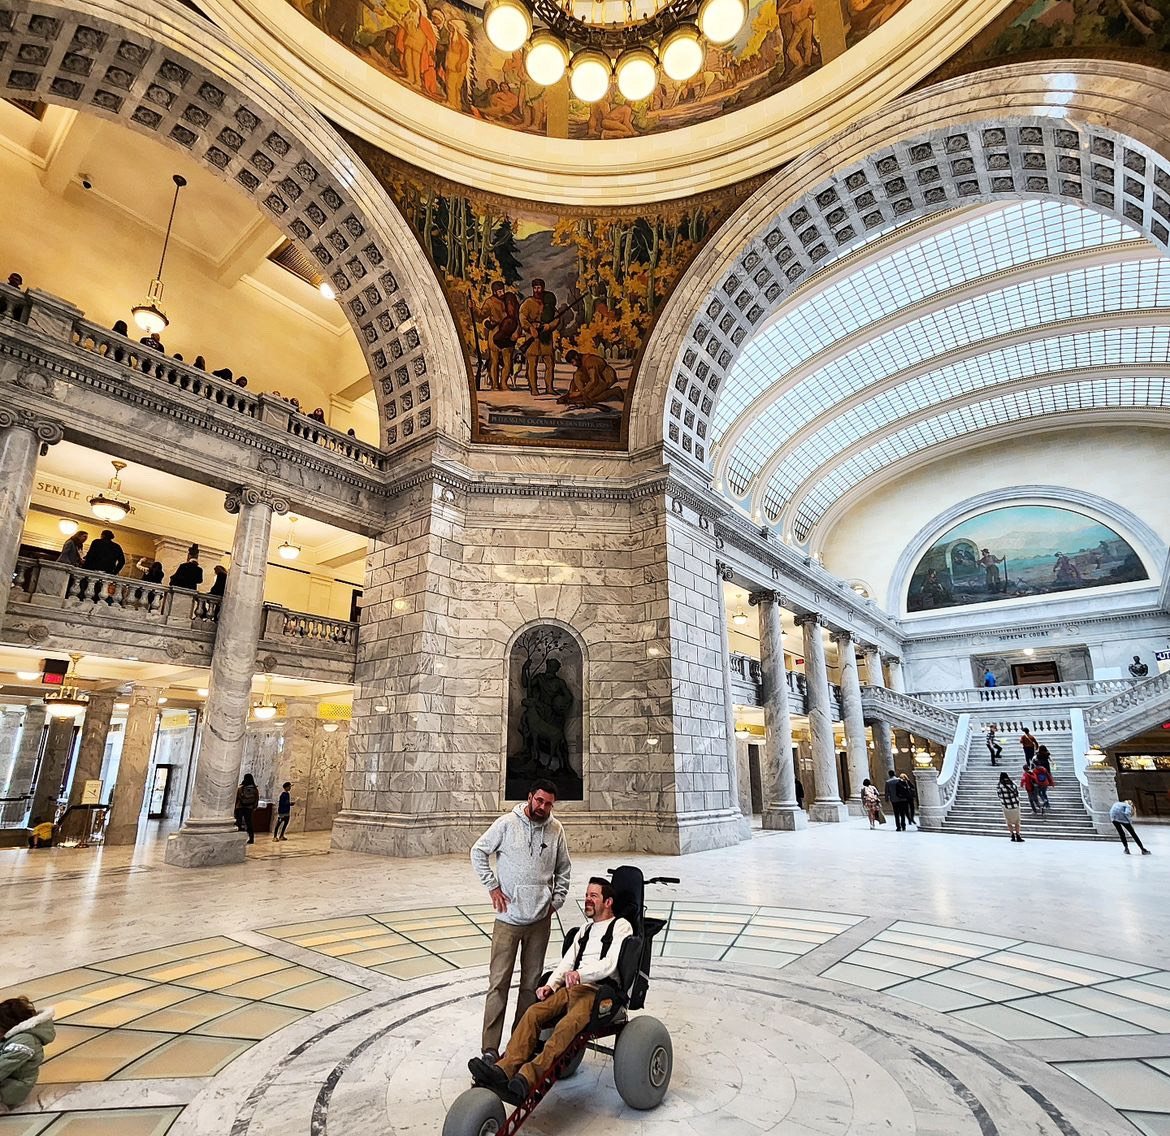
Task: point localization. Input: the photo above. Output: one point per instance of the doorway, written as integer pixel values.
(754, 779)
(160, 791)
(1031, 674)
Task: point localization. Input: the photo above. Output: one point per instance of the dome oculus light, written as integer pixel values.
(720, 20)
(589, 75)
(508, 23)
(682, 53)
(547, 59)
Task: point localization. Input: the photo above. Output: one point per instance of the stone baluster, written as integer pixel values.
(209, 834)
(50, 775)
(129, 789)
(854, 719)
(827, 806)
(883, 735)
(724, 571)
(94, 731)
(22, 435)
(779, 772)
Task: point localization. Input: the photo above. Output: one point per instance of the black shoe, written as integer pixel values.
(1126, 850)
(485, 1073)
(519, 1088)
(1145, 851)
(1019, 840)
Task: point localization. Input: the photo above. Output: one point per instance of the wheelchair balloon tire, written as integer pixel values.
(643, 1060)
(475, 1112)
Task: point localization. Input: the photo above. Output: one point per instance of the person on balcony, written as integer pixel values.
(71, 549)
(152, 570)
(220, 581)
(105, 555)
(188, 574)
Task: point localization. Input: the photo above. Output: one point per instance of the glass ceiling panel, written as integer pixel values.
(1017, 234)
(1130, 286)
(1058, 399)
(1103, 348)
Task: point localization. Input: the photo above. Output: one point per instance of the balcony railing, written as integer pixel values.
(1000, 699)
(280, 623)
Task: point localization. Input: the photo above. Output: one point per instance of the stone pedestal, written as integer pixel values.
(854, 718)
(778, 774)
(1102, 797)
(827, 806)
(129, 790)
(22, 434)
(209, 834)
(54, 759)
(930, 810)
(95, 728)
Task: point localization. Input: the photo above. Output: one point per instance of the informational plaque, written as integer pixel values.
(92, 793)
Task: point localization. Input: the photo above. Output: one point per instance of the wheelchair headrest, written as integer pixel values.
(629, 895)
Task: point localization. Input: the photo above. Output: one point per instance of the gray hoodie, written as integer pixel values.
(532, 865)
(22, 1050)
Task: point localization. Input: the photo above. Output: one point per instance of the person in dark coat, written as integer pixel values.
(154, 574)
(247, 798)
(220, 581)
(105, 555)
(899, 797)
(71, 549)
(188, 574)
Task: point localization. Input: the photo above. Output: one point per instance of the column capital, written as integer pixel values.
(724, 570)
(810, 618)
(245, 495)
(842, 636)
(48, 431)
(895, 660)
(764, 596)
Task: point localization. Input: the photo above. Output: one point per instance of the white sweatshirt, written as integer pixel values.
(593, 968)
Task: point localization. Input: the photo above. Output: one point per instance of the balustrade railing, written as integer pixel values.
(281, 623)
(1136, 694)
(13, 304)
(301, 426)
(1000, 697)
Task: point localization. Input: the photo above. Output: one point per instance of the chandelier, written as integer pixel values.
(289, 550)
(265, 710)
(68, 701)
(108, 505)
(598, 40)
(150, 315)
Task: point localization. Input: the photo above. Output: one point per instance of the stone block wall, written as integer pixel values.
(449, 587)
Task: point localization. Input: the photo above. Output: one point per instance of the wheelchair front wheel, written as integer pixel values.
(643, 1059)
(476, 1112)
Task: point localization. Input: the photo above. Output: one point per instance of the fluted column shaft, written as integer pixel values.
(883, 736)
(129, 790)
(51, 773)
(22, 434)
(95, 729)
(851, 712)
(778, 773)
(209, 835)
(827, 806)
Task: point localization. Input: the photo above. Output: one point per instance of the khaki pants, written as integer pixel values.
(532, 941)
(572, 1005)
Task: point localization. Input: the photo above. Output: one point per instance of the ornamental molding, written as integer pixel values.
(236, 500)
(48, 431)
(1032, 631)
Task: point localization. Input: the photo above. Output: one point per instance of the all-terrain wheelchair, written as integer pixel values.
(643, 1056)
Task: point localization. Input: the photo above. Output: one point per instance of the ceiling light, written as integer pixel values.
(68, 701)
(546, 59)
(652, 740)
(1029, 651)
(508, 24)
(150, 315)
(739, 618)
(202, 692)
(330, 727)
(326, 290)
(28, 676)
(681, 53)
(289, 550)
(589, 75)
(107, 505)
(381, 708)
(265, 709)
(637, 73)
(67, 527)
(720, 20)
(163, 700)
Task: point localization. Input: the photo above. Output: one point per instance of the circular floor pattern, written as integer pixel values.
(754, 1055)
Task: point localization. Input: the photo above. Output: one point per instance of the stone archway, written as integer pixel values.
(163, 71)
(1090, 135)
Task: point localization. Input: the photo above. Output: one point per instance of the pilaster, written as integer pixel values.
(95, 728)
(129, 791)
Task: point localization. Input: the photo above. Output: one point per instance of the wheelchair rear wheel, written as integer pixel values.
(643, 1059)
(476, 1112)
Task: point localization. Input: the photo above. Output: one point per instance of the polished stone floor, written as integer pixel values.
(838, 980)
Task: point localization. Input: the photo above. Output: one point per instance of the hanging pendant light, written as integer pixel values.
(150, 315)
(108, 505)
(289, 550)
(68, 701)
(265, 709)
(739, 618)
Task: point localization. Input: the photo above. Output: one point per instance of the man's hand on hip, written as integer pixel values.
(499, 900)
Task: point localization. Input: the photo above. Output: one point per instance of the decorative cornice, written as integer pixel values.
(238, 498)
(48, 431)
(1071, 626)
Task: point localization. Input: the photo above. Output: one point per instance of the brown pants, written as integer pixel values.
(572, 1005)
(532, 941)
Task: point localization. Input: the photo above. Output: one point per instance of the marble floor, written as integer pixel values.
(838, 980)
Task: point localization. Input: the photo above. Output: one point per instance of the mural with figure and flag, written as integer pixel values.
(1020, 551)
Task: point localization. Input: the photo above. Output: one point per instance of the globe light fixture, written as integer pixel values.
(109, 505)
(720, 20)
(67, 701)
(589, 75)
(739, 618)
(508, 23)
(265, 709)
(681, 52)
(67, 527)
(150, 315)
(28, 676)
(636, 71)
(547, 59)
(289, 550)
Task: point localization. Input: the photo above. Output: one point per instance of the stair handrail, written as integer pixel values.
(876, 697)
(1080, 753)
(955, 762)
(1136, 695)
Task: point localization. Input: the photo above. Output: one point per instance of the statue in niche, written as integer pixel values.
(544, 713)
(1137, 668)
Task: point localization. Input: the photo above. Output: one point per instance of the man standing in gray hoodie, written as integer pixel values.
(529, 883)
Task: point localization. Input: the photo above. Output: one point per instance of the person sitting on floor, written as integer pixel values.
(567, 999)
(24, 1033)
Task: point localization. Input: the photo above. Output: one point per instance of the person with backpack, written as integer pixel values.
(24, 1033)
(247, 798)
(1028, 784)
(1044, 782)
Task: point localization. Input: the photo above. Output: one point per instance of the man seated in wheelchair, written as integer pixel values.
(567, 999)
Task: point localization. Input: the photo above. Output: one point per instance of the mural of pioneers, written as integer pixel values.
(440, 51)
(553, 305)
(545, 683)
(1020, 550)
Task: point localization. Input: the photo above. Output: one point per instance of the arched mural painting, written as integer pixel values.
(1021, 550)
(545, 689)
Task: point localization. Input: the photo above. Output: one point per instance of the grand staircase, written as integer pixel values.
(977, 810)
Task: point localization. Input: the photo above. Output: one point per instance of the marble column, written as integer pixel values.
(10, 723)
(896, 681)
(25, 765)
(778, 775)
(828, 805)
(209, 835)
(296, 757)
(54, 759)
(854, 718)
(94, 731)
(883, 736)
(22, 435)
(129, 789)
(743, 824)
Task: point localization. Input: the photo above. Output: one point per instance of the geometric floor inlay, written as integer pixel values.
(1138, 1089)
(1015, 989)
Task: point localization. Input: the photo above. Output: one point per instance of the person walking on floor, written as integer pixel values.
(1009, 797)
(24, 1033)
(1121, 813)
(247, 798)
(911, 798)
(1044, 782)
(1028, 784)
(1028, 744)
(993, 746)
(529, 882)
(284, 806)
(898, 796)
(871, 802)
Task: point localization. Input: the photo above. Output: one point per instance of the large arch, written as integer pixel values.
(1090, 134)
(160, 69)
